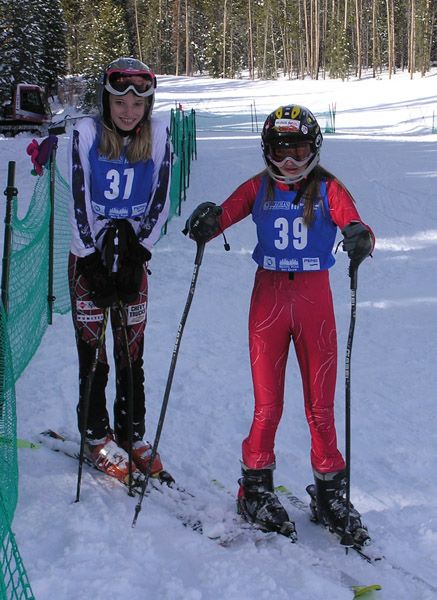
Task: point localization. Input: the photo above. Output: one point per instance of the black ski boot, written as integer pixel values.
(257, 503)
(328, 507)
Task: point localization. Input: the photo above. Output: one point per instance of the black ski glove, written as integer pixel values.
(100, 282)
(130, 270)
(358, 242)
(203, 223)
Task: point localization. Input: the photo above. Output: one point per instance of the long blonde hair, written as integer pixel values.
(138, 148)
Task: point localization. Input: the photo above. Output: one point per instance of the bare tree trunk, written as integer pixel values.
(224, 36)
(275, 60)
(375, 40)
(412, 40)
(316, 34)
(231, 48)
(140, 54)
(428, 29)
(358, 34)
(251, 64)
(390, 34)
(284, 37)
(177, 38)
(301, 45)
(159, 41)
(307, 38)
(323, 32)
(266, 33)
(393, 38)
(188, 70)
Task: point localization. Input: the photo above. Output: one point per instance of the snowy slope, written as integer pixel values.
(385, 153)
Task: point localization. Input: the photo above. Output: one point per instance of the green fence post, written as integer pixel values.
(10, 193)
(193, 123)
(330, 124)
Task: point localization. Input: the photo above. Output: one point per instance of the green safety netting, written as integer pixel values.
(14, 583)
(28, 307)
(183, 138)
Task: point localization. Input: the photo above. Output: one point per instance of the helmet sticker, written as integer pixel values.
(295, 111)
(284, 125)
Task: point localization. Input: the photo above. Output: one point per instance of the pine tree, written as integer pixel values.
(54, 48)
(108, 40)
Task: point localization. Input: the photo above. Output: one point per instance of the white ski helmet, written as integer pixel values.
(125, 75)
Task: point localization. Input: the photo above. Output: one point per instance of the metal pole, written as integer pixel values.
(255, 115)
(130, 388)
(10, 193)
(197, 263)
(50, 297)
(86, 399)
(347, 539)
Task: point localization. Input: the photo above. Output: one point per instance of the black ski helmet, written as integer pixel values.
(286, 126)
(127, 66)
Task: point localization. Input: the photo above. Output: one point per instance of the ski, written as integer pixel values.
(370, 558)
(162, 482)
(365, 591)
(60, 443)
(180, 501)
(229, 530)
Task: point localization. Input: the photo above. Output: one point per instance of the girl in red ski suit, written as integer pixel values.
(292, 306)
(297, 207)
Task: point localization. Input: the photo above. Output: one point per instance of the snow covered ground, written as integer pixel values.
(386, 154)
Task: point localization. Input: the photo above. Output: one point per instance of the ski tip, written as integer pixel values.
(364, 591)
(27, 444)
(282, 489)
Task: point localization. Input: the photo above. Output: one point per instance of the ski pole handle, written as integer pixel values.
(353, 274)
(199, 253)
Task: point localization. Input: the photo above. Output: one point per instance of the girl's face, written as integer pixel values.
(127, 111)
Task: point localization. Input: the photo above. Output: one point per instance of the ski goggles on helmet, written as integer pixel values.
(297, 154)
(140, 83)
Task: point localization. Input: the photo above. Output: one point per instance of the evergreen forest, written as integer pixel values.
(43, 41)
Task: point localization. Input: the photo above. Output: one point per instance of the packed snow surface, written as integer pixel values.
(385, 152)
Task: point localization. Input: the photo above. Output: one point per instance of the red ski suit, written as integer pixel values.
(292, 306)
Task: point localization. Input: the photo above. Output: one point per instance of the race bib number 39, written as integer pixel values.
(298, 237)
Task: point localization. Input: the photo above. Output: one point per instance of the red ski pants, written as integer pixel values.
(299, 309)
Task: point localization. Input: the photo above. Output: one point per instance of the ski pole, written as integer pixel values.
(130, 389)
(347, 539)
(86, 399)
(197, 263)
